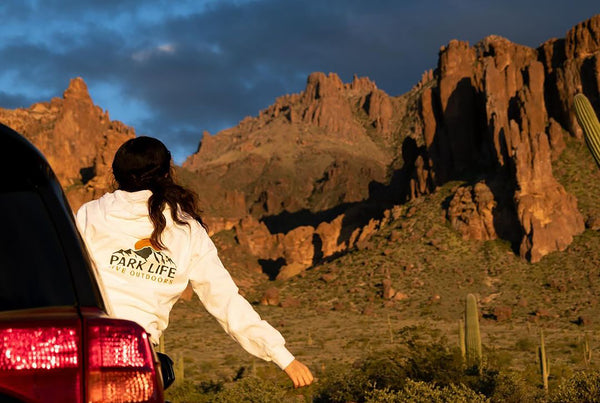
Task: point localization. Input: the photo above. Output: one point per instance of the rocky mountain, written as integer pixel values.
(77, 137)
(309, 177)
(492, 115)
(320, 171)
(312, 151)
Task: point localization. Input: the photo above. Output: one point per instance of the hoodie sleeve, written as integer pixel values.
(81, 219)
(219, 294)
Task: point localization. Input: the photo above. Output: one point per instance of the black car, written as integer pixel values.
(57, 341)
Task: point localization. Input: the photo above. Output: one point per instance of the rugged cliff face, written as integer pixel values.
(493, 121)
(501, 110)
(78, 139)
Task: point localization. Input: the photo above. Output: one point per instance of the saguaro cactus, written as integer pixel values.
(544, 364)
(589, 123)
(472, 333)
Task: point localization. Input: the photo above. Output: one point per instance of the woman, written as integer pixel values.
(148, 240)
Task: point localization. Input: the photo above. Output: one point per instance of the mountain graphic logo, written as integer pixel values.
(145, 249)
(144, 260)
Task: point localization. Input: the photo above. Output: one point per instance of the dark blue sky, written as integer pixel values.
(172, 69)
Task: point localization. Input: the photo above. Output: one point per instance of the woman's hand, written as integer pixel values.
(299, 374)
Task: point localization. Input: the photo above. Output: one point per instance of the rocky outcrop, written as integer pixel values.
(301, 247)
(572, 65)
(422, 179)
(327, 107)
(548, 214)
(471, 212)
(329, 236)
(490, 116)
(78, 139)
(257, 238)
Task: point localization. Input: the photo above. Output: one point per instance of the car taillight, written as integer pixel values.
(55, 359)
(41, 363)
(120, 365)
(38, 348)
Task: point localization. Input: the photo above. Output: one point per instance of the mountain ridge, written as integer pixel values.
(318, 172)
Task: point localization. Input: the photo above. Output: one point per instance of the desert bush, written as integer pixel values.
(512, 388)
(188, 391)
(251, 389)
(436, 362)
(342, 383)
(247, 389)
(525, 344)
(581, 387)
(431, 362)
(423, 392)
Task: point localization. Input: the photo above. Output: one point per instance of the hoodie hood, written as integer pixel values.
(125, 205)
(127, 211)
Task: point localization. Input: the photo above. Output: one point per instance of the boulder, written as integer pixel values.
(270, 297)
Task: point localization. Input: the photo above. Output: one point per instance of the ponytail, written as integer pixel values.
(180, 200)
(144, 163)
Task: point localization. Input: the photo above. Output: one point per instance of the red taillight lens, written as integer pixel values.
(39, 363)
(120, 363)
(38, 348)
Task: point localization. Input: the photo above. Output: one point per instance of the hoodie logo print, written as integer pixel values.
(144, 262)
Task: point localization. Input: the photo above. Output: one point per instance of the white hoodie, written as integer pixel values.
(142, 284)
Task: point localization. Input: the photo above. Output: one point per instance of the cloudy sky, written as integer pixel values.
(172, 69)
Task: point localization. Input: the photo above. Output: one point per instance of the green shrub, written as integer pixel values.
(390, 370)
(427, 362)
(188, 391)
(248, 389)
(251, 390)
(342, 384)
(423, 392)
(525, 344)
(435, 362)
(582, 387)
(512, 388)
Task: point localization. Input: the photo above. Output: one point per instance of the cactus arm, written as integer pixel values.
(588, 121)
(461, 340)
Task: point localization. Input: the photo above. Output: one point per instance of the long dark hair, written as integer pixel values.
(144, 163)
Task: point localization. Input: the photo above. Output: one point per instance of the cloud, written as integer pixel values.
(144, 55)
(13, 101)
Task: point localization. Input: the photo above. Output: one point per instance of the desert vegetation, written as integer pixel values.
(384, 322)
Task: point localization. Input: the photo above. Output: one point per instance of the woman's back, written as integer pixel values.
(142, 281)
(148, 241)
